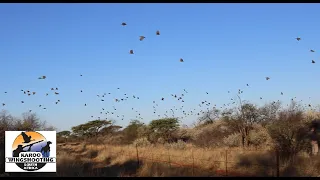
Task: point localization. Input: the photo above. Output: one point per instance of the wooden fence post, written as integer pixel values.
(169, 158)
(192, 163)
(151, 164)
(137, 155)
(226, 162)
(278, 163)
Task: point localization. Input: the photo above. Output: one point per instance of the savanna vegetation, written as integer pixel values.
(247, 135)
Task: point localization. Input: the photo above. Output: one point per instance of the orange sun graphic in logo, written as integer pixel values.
(26, 138)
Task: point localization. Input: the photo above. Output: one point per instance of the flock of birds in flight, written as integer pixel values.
(171, 111)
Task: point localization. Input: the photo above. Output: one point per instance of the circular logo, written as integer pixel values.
(32, 148)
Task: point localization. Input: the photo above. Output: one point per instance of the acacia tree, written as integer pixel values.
(131, 131)
(110, 130)
(90, 128)
(64, 134)
(164, 127)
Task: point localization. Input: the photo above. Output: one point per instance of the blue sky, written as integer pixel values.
(224, 46)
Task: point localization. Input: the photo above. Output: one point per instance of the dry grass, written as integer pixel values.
(83, 159)
(105, 160)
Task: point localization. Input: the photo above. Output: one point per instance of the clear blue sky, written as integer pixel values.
(224, 46)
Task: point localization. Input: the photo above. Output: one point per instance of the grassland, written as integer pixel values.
(84, 159)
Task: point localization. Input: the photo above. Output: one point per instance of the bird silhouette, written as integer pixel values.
(158, 33)
(123, 24)
(131, 52)
(27, 139)
(42, 77)
(142, 38)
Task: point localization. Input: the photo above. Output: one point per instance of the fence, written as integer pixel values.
(224, 167)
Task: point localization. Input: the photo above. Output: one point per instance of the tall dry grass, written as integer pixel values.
(84, 159)
(99, 160)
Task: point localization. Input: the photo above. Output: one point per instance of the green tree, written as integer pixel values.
(110, 130)
(90, 128)
(64, 134)
(164, 128)
(130, 133)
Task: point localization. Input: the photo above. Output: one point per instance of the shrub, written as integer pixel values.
(289, 132)
(141, 142)
(233, 140)
(210, 135)
(259, 136)
(180, 145)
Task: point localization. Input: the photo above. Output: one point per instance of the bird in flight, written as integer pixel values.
(142, 38)
(123, 24)
(313, 62)
(158, 33)
(267, 78)
(42, 77)
(131, 52)
(298, 39)
(181, 60)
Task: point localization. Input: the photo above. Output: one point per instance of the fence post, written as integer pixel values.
(137, 155)
(226, 162)
(169, 158)
(192, 163)
(277, 163)
(151, 165)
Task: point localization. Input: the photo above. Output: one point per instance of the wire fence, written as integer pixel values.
(195, 166)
